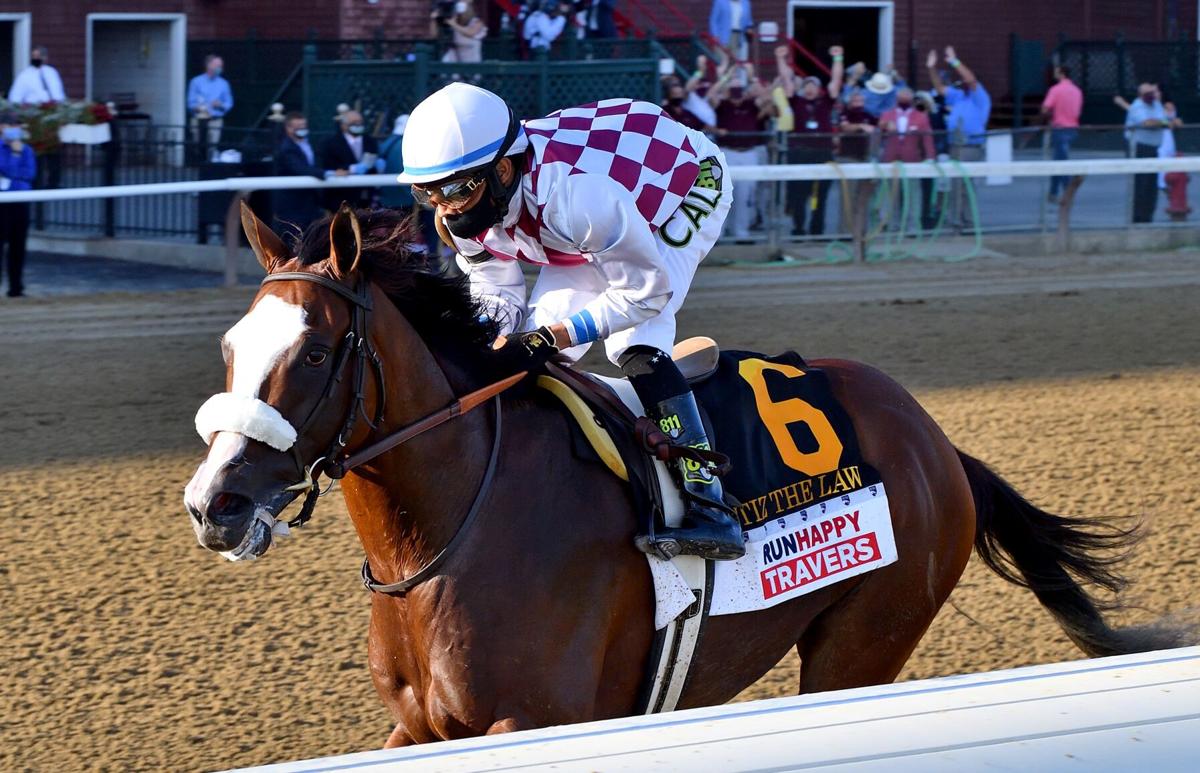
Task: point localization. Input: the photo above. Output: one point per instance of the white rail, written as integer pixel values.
(828, 171)
(1136, 712)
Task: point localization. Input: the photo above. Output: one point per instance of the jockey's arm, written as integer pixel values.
(500, 286)
(598, 217)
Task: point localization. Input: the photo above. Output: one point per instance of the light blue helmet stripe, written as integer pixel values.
(461, 161)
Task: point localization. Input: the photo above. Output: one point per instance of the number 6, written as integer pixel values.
(776, 416)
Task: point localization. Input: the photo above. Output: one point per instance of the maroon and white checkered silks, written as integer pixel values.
(635, 143)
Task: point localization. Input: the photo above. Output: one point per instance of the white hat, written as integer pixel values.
(455, 128)
(880, 83)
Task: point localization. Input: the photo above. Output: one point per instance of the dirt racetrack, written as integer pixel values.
(127, 646)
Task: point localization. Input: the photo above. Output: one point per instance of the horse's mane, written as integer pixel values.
(438, 305)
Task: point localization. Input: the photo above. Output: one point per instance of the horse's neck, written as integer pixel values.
(408, 503)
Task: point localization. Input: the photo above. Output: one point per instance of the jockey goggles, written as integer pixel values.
(458, 190)
(453, 192)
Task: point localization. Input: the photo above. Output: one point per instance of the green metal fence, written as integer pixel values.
(1107, 68)
(265, 71)
(534, 88)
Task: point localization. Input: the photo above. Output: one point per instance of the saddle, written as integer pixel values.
(633, 448)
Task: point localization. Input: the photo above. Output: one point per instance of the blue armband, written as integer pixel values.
(582, 328)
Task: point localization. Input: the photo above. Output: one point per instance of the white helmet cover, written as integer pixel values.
(457, 127)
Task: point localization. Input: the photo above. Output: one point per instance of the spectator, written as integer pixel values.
(933, 105)
(856, 132)
(970, 107)
(811, 142)
(209, 98)
(350, 151)
(908, 137)
(697, 88)
(743, 109)
(731, 23)
(467, 32)
(18, 168)
(544, 26)
(600, 21)
(38, 83)
(675, 107)
(1145, 121)
(880, 91)
(400, 196)
(856, 129)
(1062, 106)
(295, 157)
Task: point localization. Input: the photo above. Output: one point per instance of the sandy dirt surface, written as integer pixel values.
(127, 646)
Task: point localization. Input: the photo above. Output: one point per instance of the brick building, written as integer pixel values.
(104, 47)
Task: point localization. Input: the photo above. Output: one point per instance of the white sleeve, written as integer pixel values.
(500, 285)
(598, 216)
(56, 85)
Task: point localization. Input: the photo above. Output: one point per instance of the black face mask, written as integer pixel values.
(675, 101)
(478, 218)
(36, 62)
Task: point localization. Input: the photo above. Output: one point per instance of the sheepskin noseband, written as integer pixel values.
(249, 416)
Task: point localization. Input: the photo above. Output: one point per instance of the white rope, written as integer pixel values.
(777, 172)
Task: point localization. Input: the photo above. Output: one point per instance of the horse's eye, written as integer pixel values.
(316, 358)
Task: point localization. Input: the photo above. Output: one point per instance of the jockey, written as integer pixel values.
(618, 204)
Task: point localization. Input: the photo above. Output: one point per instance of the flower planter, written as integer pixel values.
(84, 134)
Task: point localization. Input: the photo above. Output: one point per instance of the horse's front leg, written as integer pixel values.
(399, 737)
(509, 725)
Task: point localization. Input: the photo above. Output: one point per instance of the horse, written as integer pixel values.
(525, 603)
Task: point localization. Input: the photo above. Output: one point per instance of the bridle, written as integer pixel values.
(335, 462)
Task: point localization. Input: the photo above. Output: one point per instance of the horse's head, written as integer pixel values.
(291, 381)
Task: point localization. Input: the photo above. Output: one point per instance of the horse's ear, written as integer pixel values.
(345, 242)
(268, 247)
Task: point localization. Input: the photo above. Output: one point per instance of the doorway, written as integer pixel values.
(14, 48)
(864, 29)
(139, 58)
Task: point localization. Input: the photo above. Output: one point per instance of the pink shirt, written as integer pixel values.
(1064, 100)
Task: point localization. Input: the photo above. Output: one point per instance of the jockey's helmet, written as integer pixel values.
(457, 128)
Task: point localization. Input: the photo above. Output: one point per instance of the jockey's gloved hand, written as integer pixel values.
(526, 351)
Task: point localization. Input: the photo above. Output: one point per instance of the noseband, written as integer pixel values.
(335, 463)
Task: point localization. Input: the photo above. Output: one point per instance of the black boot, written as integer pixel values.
(709, 529)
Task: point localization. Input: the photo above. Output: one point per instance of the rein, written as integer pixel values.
(335, 463)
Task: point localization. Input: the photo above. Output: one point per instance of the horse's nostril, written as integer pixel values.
(228, 509)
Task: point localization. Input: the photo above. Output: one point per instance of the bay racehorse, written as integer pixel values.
(541, 612)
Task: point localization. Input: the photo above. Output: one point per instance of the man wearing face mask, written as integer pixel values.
(811, 141)
(18, 167)
(350, 151)
(38, 83)
(1145, 121)
(296, 208)
(673, 104)
(618, 204)
(209, 98)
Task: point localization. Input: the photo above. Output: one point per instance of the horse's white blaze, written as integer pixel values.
(259, 339)
(257, 342)
(226, 446)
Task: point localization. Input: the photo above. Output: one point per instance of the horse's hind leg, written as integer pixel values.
(868, 635)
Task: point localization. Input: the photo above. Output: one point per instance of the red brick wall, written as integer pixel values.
(979, 29)
(62, 24)
(392, 18)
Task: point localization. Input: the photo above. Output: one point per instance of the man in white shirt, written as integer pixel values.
(544, 26)
(37, 83)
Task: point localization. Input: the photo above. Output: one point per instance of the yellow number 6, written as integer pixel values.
(776, 416)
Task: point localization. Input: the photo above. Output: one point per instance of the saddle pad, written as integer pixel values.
(812, 510)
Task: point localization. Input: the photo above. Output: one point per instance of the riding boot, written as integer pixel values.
(709, 529)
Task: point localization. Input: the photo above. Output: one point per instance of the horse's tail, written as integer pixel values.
(1056, 557)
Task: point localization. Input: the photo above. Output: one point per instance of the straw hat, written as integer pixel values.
(880, 83)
